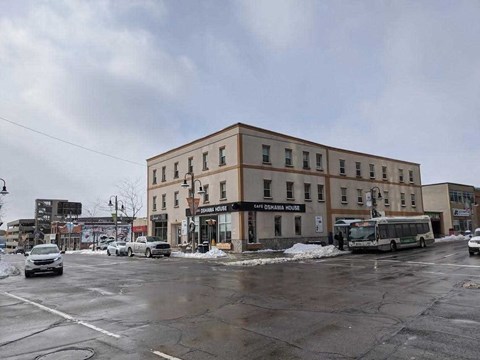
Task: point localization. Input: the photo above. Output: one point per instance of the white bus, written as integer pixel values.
(391, 233)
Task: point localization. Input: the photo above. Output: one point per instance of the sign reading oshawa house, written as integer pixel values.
(249, 206)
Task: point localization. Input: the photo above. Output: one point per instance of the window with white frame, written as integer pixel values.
(386, 200)
(306, 160)
(175, 199)
(222, 156)
(384, 172)
(154, 203)
(307, 191)
(342, 167)
(319, 161)
(175, 170)
(266, 154)
(290, 190)
(288, 157)
(223, 190)
(320, 192)
(206, 196)
(164, 201)
(400, 175)
(359, 196)
(343, 192)
(225, 227)
(164, 173)
(190, 165)
(402, 199)
(372, 171)
(267, 189)
(410, 176)
(412, 197)
(358, 169)
(154, 177)
(205, 161)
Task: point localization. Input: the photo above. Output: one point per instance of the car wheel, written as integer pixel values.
(393, 246)
(129, 252)
(148, 253)
(60, 272)
(167, 255)
(28, 274)
(116, 252)
(108, 253)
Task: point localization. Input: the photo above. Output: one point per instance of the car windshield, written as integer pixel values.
(44, 250)
(153, 238)
(477, 233)
(362, 233)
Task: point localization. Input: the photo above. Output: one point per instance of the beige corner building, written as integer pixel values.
(263, 189)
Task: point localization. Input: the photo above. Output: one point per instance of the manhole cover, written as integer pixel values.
(471, 285)
(68, 354)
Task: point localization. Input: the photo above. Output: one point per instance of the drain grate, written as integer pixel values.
(71, 353)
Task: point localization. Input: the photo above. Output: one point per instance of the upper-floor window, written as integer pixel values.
(342, 167)
(358, 169)
(206, 196)
(306, 160)
(402, 199)
(154, 203)
(343, 192)
(307, 191)
(205, 161)
(290, 190)
(320, 191)
(412, 198)
(372, 171)
(190, 165)
(410, 176)
(223, 190)
(386, 200)
(222, 156)
(359, 196)
(288, 157)
(384, 172)
(164, 173)
(267, 189)
(154, 177)
(175, 170)
(400, 175)
(164, 201)
(175, 199)
(266, 154)
(319, 161)
(298, 225)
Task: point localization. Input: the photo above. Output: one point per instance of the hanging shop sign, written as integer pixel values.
(159, 217)
(461, 212)
(248, 206)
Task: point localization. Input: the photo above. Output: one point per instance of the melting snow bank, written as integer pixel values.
(7, 269)
(87, 252)
(299, 252)
(451, 238)
(212, 254)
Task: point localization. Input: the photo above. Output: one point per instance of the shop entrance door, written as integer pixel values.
(208, 229)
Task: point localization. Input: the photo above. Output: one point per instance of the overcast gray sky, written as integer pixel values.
(133, 79)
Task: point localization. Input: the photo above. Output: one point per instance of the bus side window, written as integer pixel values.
(383, 231)
(421, 229)
(398, 230)
(391, 231)
(413, 230)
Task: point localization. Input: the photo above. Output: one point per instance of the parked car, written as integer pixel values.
(468, 234)
(474, 242)
(117, 247)
(103, 243)
(43, 258)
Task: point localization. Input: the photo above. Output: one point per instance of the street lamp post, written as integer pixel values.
(4, 189)
(116, 211)
(191, 202)
(373, 200)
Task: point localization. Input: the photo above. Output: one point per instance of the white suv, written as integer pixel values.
(43, 258)
(474, 242)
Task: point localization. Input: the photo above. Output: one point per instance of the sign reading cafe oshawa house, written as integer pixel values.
(249, 206)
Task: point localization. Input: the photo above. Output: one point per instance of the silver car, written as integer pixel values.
(43, 258)
(117, 247)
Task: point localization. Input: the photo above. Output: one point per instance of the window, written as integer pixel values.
(267, 189)
(266, 154)
(400, 175)
(372, 171)
(160, 229)
(221, 156)
(410, 176)
(298, 225)
(342, 167)
(205, 161)
(190, 165)
(290, 190)
(320, 192)
(154, 180)
(360, 196)
(164, 201)
(307, 189)
(223, 190)
(288, 157)
(154, 203)
(278, 226)
(206, 197)
(175, 170)
(175, 199)
(319, 161)
(412, 197)
(225, 227)
(402, 199)
(306, 160)
(386, 201)
(358, 169)
(384, 172)
(343, 192)
(164, 173)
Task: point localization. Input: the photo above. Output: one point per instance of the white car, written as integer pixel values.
(468, 234)
(117, 247)
(43, 258)
(474, 242)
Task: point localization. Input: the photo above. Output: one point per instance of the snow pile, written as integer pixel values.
(7, 269)
(87, 252)
(451, 238)
(212, 254)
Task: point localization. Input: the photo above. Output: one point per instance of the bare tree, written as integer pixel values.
(131, 194)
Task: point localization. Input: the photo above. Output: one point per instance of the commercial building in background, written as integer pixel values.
(49, 211)
(453, 208)
(263, 189)
(20, 233)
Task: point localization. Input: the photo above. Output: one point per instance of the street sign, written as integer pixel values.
(193, 204)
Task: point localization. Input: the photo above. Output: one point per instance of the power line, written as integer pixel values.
(69, 143)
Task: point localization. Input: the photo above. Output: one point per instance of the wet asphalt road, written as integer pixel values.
(405, 305)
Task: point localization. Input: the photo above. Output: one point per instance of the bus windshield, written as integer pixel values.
(362, 233)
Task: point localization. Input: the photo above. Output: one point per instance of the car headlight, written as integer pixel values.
(30, 261)
(57, 258)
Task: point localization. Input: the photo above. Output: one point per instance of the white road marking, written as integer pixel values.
(65, 316)
(449, 274)
(165, 356)
(450, 255)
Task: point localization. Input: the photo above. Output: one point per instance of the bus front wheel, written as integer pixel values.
(393, 246)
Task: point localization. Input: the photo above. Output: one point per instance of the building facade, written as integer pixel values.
(20, 233)
(270, 190)
(453, 208)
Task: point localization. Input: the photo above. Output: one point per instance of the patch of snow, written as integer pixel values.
(87, 252)
(7, 269)
(451, 238)
(214, 253)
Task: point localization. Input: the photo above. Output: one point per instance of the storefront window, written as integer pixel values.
(161, 229)
(225, 227)
(252, 227)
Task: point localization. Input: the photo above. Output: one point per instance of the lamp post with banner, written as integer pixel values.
(193, 203)
(371, 198)
(115, 215)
